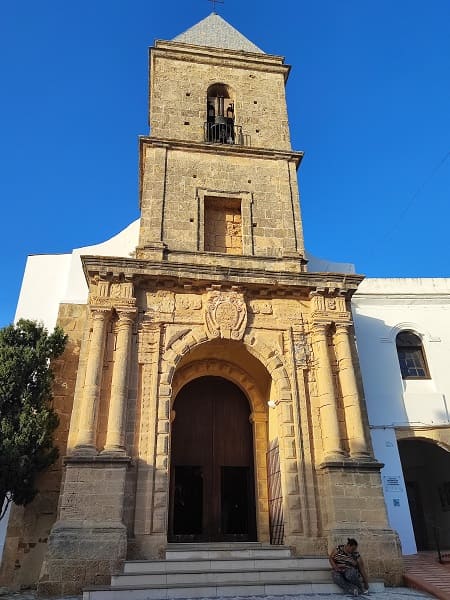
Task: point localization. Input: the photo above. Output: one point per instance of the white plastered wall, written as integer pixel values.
(52, 279)
(382, 308)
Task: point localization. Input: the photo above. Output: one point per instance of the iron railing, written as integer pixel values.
(276, 516)
(443, 555)
(225, 133)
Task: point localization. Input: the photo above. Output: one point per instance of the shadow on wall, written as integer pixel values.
(380, 370)
(426, 470)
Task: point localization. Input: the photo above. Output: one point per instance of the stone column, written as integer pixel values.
(115, 436)
(86, 437)
(352, 406)
(331, 438)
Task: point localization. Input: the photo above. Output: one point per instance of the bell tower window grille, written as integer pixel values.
(220, 126)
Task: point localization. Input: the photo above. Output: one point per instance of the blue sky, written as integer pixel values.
(368, 100)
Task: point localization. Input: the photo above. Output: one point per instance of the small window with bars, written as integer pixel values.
(411, 356)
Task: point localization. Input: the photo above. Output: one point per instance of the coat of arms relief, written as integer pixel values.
(225, 315)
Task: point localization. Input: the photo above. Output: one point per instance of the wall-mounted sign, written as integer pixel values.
(392, 483)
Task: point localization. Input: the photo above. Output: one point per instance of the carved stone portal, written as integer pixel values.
(225, 315)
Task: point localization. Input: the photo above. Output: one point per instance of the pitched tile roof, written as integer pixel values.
(215, 32)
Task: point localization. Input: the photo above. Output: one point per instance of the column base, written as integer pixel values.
(89, 541)
(84, 450)
(335, 457)
(353, 506)
(80, 556)
(113, 452)
(380, 550)
(361, 456)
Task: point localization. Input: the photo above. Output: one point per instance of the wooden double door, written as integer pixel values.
(212, 491)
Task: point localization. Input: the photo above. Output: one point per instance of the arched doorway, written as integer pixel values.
(426, 471)
(212, 496)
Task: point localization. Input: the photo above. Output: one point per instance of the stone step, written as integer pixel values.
(218, 551)
(218, 577)
(146, 566)
(219, 545)
(208, 591)
(163, 592)
(220, 570)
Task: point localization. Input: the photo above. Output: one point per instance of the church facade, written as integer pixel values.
(211, 389)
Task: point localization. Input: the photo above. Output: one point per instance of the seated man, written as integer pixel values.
(348, 568)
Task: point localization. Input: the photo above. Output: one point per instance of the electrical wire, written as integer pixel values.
(415, 196)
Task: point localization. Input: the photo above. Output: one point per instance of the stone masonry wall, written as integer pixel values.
(179, 179)
(29, 526)
(178, 96)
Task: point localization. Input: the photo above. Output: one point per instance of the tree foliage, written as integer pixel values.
(27, 419)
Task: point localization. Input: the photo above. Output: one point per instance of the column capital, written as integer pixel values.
(126, 313)
(258, 417)
(343, 326)
(99, 312)
(320, 327)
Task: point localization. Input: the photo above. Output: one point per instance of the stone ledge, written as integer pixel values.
(96, 459)
(357, 465)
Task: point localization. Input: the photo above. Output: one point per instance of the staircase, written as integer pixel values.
(220, 570)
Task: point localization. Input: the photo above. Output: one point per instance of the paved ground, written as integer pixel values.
(423, 572)
(388, 594)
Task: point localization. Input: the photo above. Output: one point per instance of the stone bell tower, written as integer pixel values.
(217, 395)
(219, 148)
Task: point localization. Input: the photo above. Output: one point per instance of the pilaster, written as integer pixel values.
(116, 430)
(86, 437)
(150, 543)
(352, 403)
(329, 424)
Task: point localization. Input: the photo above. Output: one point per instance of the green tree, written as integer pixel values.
(27, 419)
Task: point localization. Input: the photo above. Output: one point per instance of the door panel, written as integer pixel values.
(211, 464)
(188, 500)
(237, 502)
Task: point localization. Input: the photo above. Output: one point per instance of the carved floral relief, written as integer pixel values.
(161, 302)
(263, 307)
(185, 302)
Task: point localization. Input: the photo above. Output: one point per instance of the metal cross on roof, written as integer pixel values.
(214, 2)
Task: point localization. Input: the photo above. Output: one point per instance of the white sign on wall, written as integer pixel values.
(392, 483)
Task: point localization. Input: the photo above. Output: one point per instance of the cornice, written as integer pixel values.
(206, 54)
(202, 275)
(230, 149)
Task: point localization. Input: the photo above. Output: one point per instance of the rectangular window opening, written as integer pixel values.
(223, 225)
